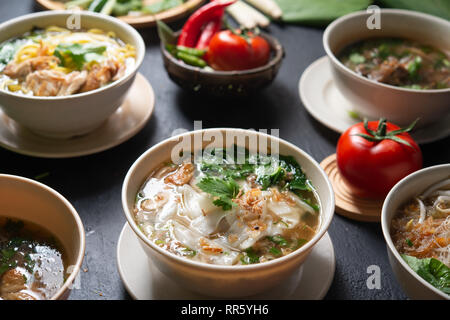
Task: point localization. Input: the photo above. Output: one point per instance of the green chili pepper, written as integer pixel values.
(191, 51)
(191, 60)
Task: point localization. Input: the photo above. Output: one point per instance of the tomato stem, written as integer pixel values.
(381, 133)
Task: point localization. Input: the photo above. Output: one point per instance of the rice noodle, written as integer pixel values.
(422, 226)
(439, 200)
(423, 210)
(435, 187)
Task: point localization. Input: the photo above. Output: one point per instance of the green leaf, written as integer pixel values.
(440, 8)
(79, 53)
(282, 171)
(318, 12)
(299, 180)
(268, 175)
(161, 6)
(165, 33)
(431, 270)
(225, 190)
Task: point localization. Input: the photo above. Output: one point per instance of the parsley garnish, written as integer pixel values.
(224, 190)
(76, 55)
(281, 171)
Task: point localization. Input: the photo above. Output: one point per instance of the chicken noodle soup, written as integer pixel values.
(59, 62)
(399, 62)
(421, 233)
(32, 263)
(216, 211)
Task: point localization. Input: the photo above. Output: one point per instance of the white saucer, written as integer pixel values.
(128, 120)
(326, 104)
(144, 281)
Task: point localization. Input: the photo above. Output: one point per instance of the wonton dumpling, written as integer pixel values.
(244, 237)
(290, 215)
(168, 211)
(194, 204)
(186, 236)
(208, 224)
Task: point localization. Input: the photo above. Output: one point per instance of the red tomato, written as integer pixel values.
(229, 51)
(372, 168)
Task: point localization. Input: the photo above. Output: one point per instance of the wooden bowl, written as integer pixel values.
(141, 21)
(224, 83)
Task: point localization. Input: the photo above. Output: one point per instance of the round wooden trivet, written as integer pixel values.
(347, 204)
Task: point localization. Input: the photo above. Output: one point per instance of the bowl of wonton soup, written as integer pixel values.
(260, 233)
(62, 79)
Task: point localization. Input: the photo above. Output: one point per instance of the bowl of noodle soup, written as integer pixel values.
(222, 246)
(63, 74)
(416, 227)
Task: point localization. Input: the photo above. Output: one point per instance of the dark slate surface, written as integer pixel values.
(93, 183)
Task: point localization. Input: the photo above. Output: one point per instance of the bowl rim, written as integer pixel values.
(325, 223)
(385, 225)
(120, 24)
(399, 12)
(275, 46)
(80, 228)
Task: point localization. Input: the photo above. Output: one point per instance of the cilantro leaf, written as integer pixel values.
(76, 55)
(268, 175)
(224, 190)
(431, 270)
(282, 171)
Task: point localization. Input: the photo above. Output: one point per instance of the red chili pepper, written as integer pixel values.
(193, 26)
(210, 29)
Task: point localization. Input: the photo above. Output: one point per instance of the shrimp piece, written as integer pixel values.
(182, 175)
(208, 248)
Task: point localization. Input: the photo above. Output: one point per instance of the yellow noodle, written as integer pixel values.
(56, 29)
(27, 52)
(96, 31)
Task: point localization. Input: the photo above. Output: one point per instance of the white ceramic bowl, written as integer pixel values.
(405, 190)
(373, 99)
(29, 200)
(216, 280)
(67, 116)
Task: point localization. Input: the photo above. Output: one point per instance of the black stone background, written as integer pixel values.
(93, 183)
